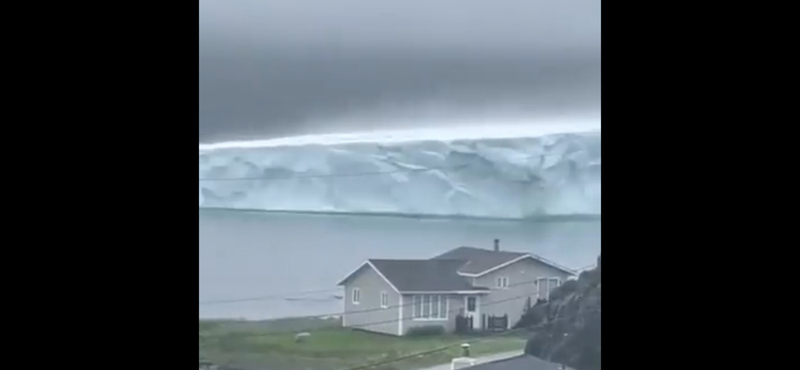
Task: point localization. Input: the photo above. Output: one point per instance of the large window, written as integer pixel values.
(430, 307)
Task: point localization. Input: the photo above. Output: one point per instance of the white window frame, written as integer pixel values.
(548, 279)
(384, 299)
(356, 296)
(438, 299)
(501, 282)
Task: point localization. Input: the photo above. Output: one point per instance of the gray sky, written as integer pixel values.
(282, 67)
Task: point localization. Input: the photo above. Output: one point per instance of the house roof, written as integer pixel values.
(435, 275)
(526, 362)
(480, 261)
(445, 272)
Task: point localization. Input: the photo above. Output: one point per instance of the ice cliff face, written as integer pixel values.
(509, 175)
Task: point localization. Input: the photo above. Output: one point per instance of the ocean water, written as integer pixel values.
(257, 265)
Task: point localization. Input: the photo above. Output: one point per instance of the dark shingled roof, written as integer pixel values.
(440, 273)
(423, 275)
(479, 260)
(523, 362)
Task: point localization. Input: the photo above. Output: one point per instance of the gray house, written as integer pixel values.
(391, 296)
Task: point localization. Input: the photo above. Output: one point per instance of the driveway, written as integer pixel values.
(479, 360)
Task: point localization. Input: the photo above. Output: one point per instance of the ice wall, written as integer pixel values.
(505, 176)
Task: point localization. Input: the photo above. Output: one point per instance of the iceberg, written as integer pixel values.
(489, 172)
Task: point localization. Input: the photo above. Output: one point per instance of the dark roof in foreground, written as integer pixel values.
(479, 260)
(522, 362)
(423, 275)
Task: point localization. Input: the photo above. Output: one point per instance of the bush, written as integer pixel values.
(534, 316)
(569, 286)
(425, 331)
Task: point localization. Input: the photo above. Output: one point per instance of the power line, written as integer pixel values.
(267, 297)
(490, 303)
(459, 343)
(375, 309)
(305, 292)
(417, 354)
(278, 332)
(405, 170)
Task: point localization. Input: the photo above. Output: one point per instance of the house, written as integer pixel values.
(391, 296)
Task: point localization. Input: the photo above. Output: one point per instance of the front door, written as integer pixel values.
(471, 309)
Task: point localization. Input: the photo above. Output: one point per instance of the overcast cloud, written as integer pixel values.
(282, 67)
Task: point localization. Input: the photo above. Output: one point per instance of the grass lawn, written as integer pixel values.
(271, 345)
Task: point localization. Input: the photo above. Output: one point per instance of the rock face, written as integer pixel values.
(567, 329)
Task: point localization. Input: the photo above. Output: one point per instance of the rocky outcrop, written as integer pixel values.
(567, 329)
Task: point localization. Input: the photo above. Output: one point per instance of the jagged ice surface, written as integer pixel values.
(509, 177)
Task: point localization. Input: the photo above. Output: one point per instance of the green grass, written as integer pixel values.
(271, 344)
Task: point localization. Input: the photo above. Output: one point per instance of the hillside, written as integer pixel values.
(567, 329)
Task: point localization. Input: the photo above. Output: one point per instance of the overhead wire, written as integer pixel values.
(361, 326)
(267, 297)
(411, 317)
(291, 295)
(416, 354)
(457, 343)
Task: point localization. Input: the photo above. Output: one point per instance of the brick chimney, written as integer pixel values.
(497, 245)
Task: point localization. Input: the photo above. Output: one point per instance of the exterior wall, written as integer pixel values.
(521, 276)
(455, 306)
(382, 320)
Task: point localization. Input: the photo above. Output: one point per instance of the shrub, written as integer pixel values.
(534, 316)
(569, 286)
(425, 331)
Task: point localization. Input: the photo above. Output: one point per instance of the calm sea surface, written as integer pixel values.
(257, 255)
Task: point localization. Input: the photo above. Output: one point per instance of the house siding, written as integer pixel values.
(377, 319)
(455, 306)
(521, 276)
